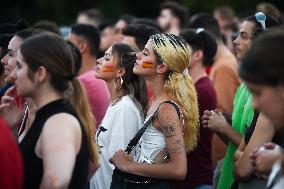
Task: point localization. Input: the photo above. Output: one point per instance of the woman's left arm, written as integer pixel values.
(58, 145)
(170, 126)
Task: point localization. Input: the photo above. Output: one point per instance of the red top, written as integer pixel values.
(11, 169)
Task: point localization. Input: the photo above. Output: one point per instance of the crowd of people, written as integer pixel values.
(174, 102)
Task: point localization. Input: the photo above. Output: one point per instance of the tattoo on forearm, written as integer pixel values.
(179, 143)
(178, 148)
(176, 151)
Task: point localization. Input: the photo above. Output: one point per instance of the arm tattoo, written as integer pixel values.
(169, 131)
(178, 149)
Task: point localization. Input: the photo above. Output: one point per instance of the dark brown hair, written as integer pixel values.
(133, 84)
(52, 52)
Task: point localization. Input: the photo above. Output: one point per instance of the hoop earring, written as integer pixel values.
(121, 82)
(115, 85)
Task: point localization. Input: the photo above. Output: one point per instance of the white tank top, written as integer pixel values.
(151, 143)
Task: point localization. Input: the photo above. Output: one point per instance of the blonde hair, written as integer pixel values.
(174, 51)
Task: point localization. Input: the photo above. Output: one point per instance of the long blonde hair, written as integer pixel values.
(174, 51)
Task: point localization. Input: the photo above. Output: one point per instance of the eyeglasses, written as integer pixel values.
(261, 18)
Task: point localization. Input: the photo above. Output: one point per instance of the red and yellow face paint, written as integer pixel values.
(146, 64)
(108, 68)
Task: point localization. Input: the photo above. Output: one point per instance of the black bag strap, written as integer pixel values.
(255, 117)
(133, 142)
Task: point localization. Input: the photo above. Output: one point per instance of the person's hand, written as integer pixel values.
(205, 118)
(265, 156)
(121, 160)
(214, 121)
(9, 109)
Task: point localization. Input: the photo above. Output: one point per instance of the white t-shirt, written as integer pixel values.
(120, 124)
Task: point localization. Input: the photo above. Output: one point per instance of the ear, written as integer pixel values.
(41, 74)
(197, 56)
(120, 72)
(83, 46)
(162, 68)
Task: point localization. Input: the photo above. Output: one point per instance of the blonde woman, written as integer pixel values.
(174, 128)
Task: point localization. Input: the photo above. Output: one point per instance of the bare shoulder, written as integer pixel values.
(62, 124)
(168, 117)
(167, 111)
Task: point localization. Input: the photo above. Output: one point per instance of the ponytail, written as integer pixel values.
(182, 89)
(174, 51)
(83, 110)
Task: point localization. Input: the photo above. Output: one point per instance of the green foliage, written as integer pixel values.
(65, 11)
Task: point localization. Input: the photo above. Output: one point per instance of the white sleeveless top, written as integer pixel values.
(151, 143)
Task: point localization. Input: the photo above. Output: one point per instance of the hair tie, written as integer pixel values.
(185, 72)
(71, 77)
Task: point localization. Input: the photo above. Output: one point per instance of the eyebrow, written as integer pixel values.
(146, 49)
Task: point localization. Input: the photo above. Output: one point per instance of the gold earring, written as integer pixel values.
(121, 81)
(115, 85)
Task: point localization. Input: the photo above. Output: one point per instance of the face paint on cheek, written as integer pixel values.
(147, 65)
(108, 68)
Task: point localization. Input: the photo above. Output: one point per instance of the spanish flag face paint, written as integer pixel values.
(108, 68)
(147, 64)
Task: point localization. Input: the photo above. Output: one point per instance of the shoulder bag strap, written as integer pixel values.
(133, 142)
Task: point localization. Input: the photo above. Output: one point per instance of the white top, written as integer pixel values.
(121, 122)
(152, 142)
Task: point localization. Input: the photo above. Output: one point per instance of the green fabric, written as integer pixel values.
(241, 118)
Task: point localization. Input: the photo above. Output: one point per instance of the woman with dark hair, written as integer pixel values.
(172, 118)
(125, 113)
(263, 71)
(58, 146)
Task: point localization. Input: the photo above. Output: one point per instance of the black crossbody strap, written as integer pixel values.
(133, 142)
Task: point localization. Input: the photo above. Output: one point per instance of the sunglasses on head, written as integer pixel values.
(261, 18)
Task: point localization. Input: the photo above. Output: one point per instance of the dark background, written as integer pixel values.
(64, 12)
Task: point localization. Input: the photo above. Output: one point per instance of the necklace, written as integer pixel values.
(115, 100)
